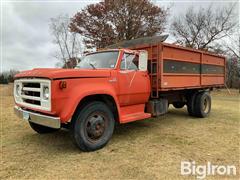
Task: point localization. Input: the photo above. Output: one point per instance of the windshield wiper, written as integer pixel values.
(91, 64)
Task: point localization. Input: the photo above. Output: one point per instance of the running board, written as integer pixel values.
(133, 113)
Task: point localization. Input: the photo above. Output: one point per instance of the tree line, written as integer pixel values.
(8, 76)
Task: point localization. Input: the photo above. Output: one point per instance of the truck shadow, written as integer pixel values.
(60, 141)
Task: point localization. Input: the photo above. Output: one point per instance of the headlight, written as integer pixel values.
(45, 92)
(18, 90)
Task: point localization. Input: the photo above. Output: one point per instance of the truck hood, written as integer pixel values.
(57, 73)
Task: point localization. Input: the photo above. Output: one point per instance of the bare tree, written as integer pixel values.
(230, 48)
(233, 61)
(233, 45)
(200, 29)
(69, 43)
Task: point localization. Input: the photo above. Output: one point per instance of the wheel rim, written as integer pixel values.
(95, 126)
(206, 105)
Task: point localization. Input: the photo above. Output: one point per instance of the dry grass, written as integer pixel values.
(148, 149)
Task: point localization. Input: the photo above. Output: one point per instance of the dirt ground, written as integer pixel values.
(147, 149)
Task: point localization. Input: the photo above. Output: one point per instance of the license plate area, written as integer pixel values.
(26, 115)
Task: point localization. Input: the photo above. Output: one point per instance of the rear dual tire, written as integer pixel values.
(191, 104)
(199, 104)
(203, 105)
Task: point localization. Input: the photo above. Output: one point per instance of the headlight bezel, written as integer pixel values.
(45, 92)
(18, 89)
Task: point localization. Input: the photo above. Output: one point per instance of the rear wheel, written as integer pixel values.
(41, 129)
(178, 104)
(202, 104)
(191, 104)
(92, 126)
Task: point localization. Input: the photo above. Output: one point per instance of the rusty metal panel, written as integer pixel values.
(211, 80)
(179, 81)
(180, 54)
(208, 59)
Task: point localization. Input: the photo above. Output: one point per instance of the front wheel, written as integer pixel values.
(92, 126)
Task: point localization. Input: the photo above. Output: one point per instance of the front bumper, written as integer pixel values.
(49, 121)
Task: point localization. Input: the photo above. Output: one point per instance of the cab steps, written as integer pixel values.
(133, 113)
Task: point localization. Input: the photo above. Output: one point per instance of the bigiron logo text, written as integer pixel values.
(209, 169)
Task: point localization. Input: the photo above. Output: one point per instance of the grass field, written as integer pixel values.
(147, 149)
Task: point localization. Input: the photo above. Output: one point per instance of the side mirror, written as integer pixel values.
(143, 60)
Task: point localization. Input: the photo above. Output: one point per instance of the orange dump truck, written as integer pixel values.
(129, 82)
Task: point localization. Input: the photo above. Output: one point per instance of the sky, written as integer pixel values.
(26, 41)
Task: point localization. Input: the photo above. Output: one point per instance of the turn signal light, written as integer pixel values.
(62, 84)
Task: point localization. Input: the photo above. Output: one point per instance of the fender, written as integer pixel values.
(77, 89)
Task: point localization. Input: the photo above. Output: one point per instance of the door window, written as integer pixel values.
(129, 62)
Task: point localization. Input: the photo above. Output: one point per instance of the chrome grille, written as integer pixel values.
(29, 93)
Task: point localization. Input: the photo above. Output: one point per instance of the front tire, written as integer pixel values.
(41, 129)
(92, 126)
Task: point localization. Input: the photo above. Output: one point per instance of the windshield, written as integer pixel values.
(106, 59)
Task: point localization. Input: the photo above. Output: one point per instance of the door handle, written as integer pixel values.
(123, 72)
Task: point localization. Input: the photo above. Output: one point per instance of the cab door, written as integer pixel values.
(134, 85)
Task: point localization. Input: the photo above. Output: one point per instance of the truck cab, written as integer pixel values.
(106, 87)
